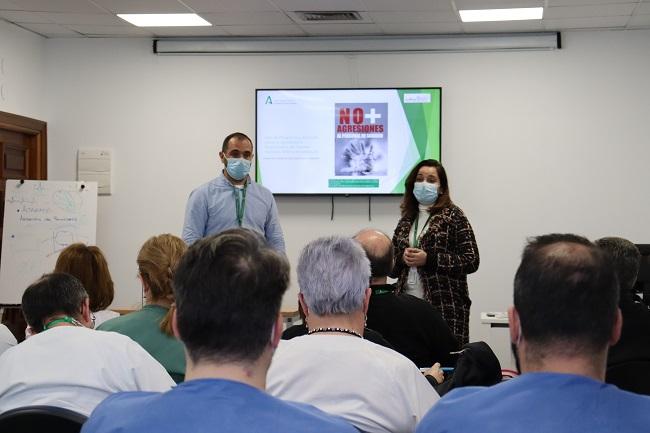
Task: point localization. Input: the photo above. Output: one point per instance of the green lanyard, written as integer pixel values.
(240, 204)
(380, 291)
(65, 319)
(416, 238)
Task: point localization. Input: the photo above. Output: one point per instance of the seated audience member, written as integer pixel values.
(564, 318)
(66, 364)
(88, 264)
(228, 291)
(634, 343)
(333, 367)
(7, 339)
(151, 326)
(412, 325)
(301, 329)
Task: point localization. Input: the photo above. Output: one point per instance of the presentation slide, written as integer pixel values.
(344, 141)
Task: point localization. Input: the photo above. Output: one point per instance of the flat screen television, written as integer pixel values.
(344, 141)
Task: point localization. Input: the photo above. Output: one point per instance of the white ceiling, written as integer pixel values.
(96, 18)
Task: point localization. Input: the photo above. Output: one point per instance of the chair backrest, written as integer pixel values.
(37, 419)
(633, 376)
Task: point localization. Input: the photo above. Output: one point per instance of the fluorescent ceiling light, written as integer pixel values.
(164, 20)
(516, 14)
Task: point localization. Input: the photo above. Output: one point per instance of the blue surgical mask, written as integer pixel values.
(426, 193)
(237, 168)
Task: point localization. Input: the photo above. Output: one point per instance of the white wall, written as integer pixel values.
(533, 142)
(22, 71)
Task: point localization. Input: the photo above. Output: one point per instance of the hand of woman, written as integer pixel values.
(436, 372)
(414, 257)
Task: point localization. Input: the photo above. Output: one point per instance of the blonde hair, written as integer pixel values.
(87, 263)
(157, 261)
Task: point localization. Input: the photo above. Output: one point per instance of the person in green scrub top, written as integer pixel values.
(151, 326)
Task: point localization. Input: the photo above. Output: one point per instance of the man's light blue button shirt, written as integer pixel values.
(211, 208)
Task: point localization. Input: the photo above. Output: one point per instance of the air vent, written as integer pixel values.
(328, 16)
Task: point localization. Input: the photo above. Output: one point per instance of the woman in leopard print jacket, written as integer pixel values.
(435, 247)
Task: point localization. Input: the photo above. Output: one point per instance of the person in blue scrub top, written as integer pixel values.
(232, 199)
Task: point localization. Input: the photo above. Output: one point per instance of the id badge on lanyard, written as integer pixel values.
(413, 276)
(240, 205)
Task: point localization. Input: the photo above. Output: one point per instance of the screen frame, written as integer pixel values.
(342, 194)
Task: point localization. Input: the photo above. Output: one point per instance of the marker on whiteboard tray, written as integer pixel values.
(22, 181)
(83, 186)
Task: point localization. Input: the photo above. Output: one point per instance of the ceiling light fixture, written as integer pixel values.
(164, 20)
(358, 44)
(515, 14)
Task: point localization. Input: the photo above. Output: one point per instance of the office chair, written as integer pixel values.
(633, 376)
(37, 419)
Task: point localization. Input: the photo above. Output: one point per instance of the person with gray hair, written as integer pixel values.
(66, 363)
(332, 367)
(634, 343)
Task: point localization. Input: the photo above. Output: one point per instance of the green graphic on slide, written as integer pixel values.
(353, 183)
(258, 172)
(423, 116)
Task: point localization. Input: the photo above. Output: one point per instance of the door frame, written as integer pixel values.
(12, 315)
(38, 129)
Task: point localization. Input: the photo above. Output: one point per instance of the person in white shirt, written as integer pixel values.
(67, 364)
(7, 339)
(332, 367)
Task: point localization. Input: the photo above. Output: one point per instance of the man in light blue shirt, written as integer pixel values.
(565, 316)
(232, 199)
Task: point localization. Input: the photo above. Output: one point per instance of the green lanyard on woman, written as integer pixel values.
(240, 204)
(416, 238)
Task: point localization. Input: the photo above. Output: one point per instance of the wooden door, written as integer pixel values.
(23, 155)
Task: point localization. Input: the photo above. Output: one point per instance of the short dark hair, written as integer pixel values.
(409, 204)
(566, 295)
(235, 135)
(228, 291)
(55, 293)
(626, 258)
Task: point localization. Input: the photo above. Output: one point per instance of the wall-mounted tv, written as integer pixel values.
(344, 141)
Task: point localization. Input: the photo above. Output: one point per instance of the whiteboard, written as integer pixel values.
(42, 218)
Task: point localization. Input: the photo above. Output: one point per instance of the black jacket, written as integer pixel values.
(412, 325)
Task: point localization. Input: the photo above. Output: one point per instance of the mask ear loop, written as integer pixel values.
(519, 334)
(272, 338)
